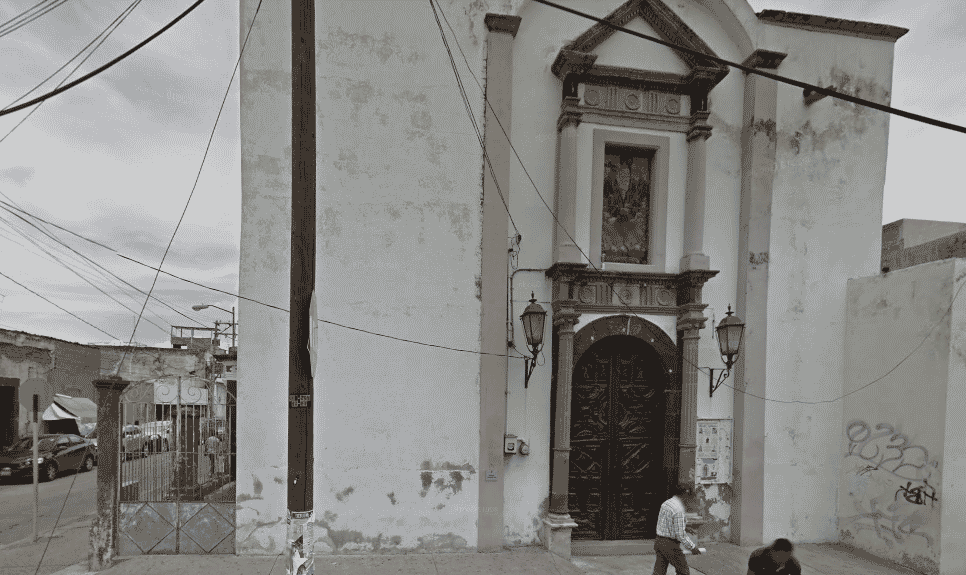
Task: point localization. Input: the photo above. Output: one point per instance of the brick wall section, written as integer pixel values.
(898, 257)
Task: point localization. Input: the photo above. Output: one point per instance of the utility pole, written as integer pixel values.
(300, 539)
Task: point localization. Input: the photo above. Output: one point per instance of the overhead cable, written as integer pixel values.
(10, 26)
(198, 176)
(103, 36)
(85, 77)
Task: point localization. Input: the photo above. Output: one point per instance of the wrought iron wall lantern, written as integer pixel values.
(730, 332)
(533, 319)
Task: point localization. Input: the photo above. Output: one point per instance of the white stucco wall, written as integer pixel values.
(899, 435)
(825, 228)
(396, 424)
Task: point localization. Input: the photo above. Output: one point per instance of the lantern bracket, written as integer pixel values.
(725, 372)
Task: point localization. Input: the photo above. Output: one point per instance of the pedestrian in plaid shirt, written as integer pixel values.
(671, 534)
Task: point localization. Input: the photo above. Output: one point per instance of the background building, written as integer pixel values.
(55, 365)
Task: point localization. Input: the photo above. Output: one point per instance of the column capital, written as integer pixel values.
(568, 118)
(504, 23)
(766, 59)
(565, 315)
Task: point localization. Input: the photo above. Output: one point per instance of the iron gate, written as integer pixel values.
(177, 468)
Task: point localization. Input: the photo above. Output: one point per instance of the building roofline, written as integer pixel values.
(833, 25)
(14, 331)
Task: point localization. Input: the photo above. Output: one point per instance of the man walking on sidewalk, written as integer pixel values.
(776, 559)
(671, 534)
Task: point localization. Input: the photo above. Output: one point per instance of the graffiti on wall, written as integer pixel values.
(893, 494)
(888, 451)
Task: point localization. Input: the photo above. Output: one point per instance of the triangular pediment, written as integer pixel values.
(597, 49)
(624, 51)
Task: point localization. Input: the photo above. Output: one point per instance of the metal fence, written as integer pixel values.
(177, 472)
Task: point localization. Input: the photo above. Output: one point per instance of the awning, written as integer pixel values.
(66, 407)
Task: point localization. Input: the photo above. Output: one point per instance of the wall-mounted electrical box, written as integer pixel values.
(510, 443)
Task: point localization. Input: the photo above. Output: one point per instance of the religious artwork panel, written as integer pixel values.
(627, 200)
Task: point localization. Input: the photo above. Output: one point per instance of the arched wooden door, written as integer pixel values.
(617, 480)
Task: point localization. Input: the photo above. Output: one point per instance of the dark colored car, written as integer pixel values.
(56, 452)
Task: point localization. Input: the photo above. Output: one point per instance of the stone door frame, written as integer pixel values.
(577, 290)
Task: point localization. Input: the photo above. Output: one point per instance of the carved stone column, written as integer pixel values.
(698, 134)
(691, 321)
(558, 524)
(103, 532)
(568, 66)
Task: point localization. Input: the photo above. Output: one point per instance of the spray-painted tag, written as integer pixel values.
(299, 542)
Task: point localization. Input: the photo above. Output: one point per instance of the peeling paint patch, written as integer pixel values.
(448, 542)
(759, 259)
(766, 127)
(426, 478)
(344, 493)
(338, 44)
(392, 497)
(257, 487)
(479, 287)
(279, 480)
(348, 162)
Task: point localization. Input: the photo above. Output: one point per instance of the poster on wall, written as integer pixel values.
(712, 459)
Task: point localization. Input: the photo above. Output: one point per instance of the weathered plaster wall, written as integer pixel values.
(24, 356)
(76, 368)
(399, 190)
(150, 368)
(825, 228)
(64, 365)
(895, 496)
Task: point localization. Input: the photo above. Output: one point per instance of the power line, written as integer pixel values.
(77, 273)
(619, 298)
(476, 128)
(320, 320)
(84, 78)
(90, 261)
(58, 307)
(200, 168)
(105, 33)
(13, 27)
(776, 77)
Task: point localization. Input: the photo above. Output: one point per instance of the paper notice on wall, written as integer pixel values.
(712, 459)
(300, 539)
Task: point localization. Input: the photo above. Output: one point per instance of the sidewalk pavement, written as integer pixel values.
(67, 555)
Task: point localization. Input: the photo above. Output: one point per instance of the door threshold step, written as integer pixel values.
(603, 548)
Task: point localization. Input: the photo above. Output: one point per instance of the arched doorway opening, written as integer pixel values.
(624, 428)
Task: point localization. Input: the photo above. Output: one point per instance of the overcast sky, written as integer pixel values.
(115, 158)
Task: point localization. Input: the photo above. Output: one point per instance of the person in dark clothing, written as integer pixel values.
(671, 534)
(776, 559)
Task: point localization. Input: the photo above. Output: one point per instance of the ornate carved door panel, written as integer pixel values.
(617, 478)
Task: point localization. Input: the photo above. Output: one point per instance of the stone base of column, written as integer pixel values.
(556, 534)
(695, 262)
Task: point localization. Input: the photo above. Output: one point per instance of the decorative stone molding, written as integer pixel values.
(503, 23)
(571, 62)
(699, 126)
(765, 59)
(837, 25)
(609, 292)
(568, 117)
(703, 75)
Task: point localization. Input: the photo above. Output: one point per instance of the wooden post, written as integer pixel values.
(299, 536)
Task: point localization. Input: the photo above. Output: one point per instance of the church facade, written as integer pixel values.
(637, 193)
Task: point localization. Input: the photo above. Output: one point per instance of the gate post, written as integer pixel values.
(103, 533)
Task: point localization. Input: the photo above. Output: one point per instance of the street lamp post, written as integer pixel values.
(200, 307)
(730, 331)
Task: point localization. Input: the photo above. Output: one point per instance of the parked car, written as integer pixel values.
(89, 432)
(133, 442)
(158, 436)
(56, 452)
